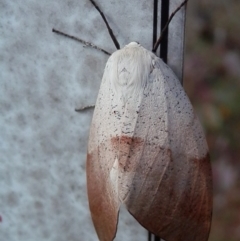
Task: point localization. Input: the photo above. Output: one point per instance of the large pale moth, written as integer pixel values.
(147, 151)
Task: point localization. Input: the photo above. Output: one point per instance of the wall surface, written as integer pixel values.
(43, 141)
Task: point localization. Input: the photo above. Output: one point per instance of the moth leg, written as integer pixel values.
(84, 108)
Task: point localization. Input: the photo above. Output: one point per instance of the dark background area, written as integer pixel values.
(212, 81)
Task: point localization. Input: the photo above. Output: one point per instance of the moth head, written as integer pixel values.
(132, 44)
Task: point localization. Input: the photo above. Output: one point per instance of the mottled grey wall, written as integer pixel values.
(43, 141)
(44, 77)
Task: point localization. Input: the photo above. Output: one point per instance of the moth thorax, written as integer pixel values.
(133, 67)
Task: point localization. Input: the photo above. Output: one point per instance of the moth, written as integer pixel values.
(147, 150)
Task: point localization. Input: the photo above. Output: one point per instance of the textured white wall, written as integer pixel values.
(43, 141)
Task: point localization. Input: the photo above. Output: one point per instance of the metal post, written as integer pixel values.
(172, 46)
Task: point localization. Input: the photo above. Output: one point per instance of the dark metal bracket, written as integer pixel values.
(165, 50)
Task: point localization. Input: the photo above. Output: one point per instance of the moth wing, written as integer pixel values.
(101, 172)
(164, 168)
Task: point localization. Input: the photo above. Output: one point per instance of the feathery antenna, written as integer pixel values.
(106, 22)
(166, 26)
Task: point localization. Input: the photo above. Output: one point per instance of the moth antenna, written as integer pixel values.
(114, 39)
(81, 41)
(166, 26)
